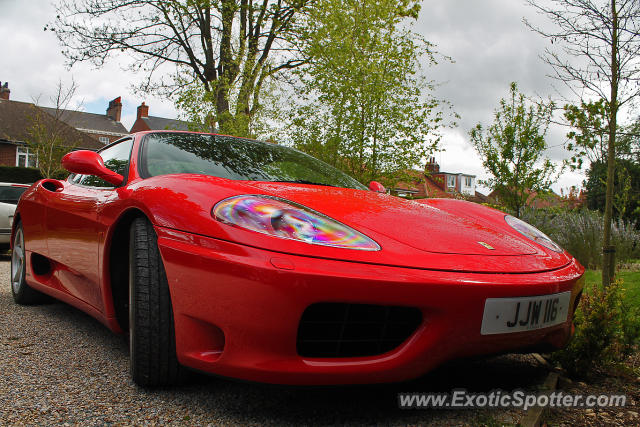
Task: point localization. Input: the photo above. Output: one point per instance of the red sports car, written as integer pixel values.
(256, 261)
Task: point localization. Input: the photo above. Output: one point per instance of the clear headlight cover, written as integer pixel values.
(532, 233)
(288, 220)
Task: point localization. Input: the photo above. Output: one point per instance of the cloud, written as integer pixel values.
(491, 47)
(33, 64)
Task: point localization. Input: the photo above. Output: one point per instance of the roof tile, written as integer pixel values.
(89, 121)
(16, 117)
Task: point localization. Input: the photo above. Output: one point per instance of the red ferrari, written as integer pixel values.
(256, 261)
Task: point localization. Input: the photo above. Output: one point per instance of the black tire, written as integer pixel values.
(23, 294)
(152, 346)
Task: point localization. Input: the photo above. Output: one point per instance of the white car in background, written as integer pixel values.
(9, 196)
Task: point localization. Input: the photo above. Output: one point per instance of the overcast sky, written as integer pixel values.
(487, 39)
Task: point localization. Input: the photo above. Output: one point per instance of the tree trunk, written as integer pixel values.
(226, 67)
(608, 251)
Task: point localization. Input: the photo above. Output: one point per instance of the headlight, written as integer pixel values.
(532, 233)
(287, 220)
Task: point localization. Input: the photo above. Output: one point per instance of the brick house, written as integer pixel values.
(146, 122)
(105, 128)
(15, 119)
(451, 182)
(90, 130)
(435, 183)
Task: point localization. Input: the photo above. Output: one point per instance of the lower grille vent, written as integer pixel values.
(354, 330)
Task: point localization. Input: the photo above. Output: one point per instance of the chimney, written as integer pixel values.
(114, 111)
(432, 167)
(4, 91)
(143, 111)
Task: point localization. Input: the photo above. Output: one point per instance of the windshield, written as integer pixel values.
(236, 158)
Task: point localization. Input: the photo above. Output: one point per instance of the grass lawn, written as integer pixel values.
(631, 283)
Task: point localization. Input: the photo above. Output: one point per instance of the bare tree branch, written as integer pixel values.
(49, 135)
(226, 45)
(600, 41)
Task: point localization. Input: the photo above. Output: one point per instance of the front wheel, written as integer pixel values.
(22, 293)
(152, 346)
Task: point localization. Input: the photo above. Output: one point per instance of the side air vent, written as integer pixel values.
(40, 264)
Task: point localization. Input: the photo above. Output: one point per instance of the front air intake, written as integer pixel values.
(354, 330)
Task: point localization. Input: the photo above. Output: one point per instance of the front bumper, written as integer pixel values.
(237, 310)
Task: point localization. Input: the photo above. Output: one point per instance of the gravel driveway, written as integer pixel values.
(59, 366)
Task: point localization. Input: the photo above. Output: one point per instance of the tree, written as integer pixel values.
(626, 200)
(589, 140)
(365, 107)
(631, 136)
(224, 51)
(50, 137)
(197, 107)
(599, 41)
(589, 137)
(512, 150)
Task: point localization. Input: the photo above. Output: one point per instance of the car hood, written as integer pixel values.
(419, 225)
(439, 234)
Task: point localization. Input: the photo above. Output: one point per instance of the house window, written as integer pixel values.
(467, 181)
(104, 139)
(24, 158)
(451, 181)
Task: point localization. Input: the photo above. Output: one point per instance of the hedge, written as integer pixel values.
(20, 175)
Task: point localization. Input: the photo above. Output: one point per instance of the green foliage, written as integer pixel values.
(512, 150)
(626, 194)
(50, 138)
(364, 107)
(589, 138)
(632, 134)
(48, 141)
(607, 330)
(630, 277)
(597, 54)
(222, 52)
(580, 233)
(198, 107)
(496, 206)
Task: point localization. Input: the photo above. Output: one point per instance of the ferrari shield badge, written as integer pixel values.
(486, 245)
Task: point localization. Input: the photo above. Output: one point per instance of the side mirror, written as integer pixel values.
(377, 187)
(87, 162)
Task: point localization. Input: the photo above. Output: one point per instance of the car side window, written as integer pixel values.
(11, 194)
(116, 158)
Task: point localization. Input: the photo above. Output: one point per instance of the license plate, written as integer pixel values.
(506, 315)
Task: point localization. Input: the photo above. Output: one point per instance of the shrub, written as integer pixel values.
(580, 232)
(607, 330)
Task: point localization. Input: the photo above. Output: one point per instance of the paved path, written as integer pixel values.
(58, 365)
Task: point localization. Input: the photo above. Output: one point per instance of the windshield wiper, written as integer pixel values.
(302, 181)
